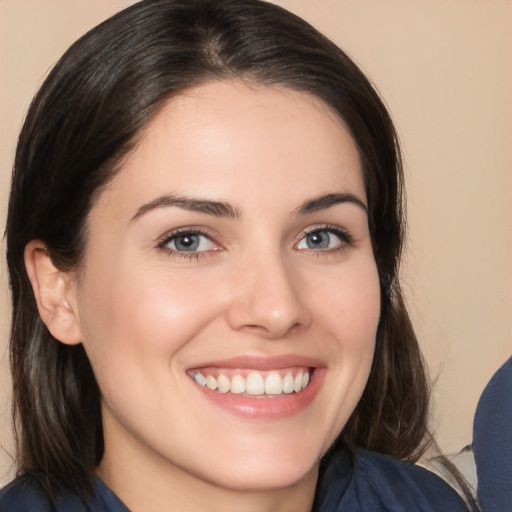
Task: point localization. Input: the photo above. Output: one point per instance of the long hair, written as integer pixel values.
(87, 116)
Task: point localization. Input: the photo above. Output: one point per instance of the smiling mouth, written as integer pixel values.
(254, 383)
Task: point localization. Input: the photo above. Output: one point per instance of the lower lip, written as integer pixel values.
(266, 407)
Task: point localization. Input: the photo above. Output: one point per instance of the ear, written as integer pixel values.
(55, 294)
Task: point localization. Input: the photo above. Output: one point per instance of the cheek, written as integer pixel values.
(349, 312)
(135, 330)
(133, 319)
(348, 304)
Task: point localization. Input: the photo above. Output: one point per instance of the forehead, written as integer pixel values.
(235, 139)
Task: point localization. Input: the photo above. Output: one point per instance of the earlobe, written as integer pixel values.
(54, 292)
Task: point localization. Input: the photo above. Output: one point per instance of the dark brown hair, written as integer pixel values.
(87, 116)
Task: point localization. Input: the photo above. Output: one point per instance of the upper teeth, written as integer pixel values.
(255, 383)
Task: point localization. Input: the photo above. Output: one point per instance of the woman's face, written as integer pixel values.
(229, 297)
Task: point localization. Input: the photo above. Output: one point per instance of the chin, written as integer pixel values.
(270, 469)
(268, 477)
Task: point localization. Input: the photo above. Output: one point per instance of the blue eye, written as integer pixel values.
(188, 242)
(324, 239)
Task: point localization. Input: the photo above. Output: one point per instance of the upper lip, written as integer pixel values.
(263, 363)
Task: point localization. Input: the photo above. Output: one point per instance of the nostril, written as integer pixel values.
(271, 331)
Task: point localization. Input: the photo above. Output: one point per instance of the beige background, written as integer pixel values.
(444, 69)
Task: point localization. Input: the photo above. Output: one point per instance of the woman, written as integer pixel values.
(204, 233)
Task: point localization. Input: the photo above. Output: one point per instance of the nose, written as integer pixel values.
(268, 299)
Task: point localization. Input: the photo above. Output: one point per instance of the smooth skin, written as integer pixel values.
(210, 243)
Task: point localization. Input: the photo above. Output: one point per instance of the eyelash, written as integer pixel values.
(342, 234)
(172, 235)
(345, 237)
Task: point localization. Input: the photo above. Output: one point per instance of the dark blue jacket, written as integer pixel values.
(373, 483)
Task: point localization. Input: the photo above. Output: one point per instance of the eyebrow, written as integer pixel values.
(215, 208)
(223, 209)
(328, 200)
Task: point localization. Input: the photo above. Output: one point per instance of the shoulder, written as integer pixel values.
(377, 482)
(25, 494)
(410, 486)
(21, 495)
